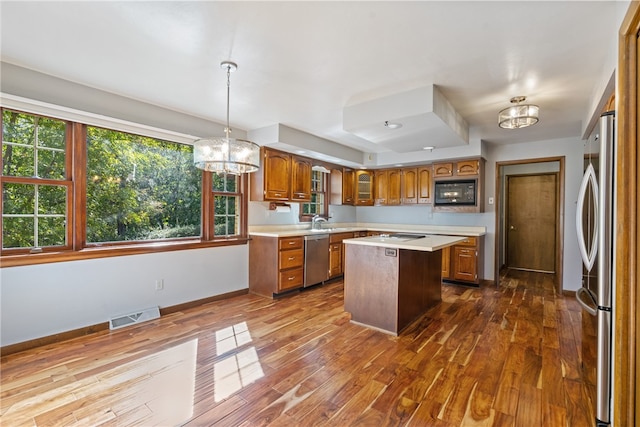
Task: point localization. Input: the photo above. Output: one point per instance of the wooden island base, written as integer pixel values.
(388, 288)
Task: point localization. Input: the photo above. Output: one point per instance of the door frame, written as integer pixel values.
(626, 349)
(500, 207)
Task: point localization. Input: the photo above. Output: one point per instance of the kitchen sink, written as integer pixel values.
(327, 230)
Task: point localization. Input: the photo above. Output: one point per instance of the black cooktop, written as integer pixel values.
(407, 236)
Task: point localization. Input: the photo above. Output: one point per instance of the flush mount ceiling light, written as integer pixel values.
(518, 115)
(224, 154)
(392, 125)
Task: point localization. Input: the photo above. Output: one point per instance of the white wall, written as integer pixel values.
(572, 150)
(46, 299)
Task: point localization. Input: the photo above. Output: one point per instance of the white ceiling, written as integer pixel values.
(302, 63)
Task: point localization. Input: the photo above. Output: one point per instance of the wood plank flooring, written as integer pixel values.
(507, 356)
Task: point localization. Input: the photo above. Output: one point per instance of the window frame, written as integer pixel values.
(326, 182)
(76, 246)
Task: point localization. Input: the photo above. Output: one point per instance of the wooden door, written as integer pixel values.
(348, 186)
(468, 167)
(277, 175)
(446, 262)
(465, 263)
(531, 222)
(364, 188)
(393, 187)
(408, 186)
(300, 179)
(335, 259)
(425, 184)
(443, 169)
(381, 188)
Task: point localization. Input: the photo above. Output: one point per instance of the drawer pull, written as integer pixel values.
(292, 243)
(291, 258)
(291, 278)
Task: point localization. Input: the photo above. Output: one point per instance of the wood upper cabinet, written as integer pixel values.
(425, 184)
(277, 175)
(459, 168)
(282, 177)
(442, 169)
(468, 167)
(363, 188)
(409, 186)
(381, 188)
(342, 185)
(348, 186)
(301, 179)
(394, 178)
(387, 187)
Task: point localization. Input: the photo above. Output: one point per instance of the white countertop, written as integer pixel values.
(305, 229)
(428, 243)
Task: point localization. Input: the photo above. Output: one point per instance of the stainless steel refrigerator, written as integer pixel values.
(594, 223)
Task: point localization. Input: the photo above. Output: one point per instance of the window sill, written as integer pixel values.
(113, 251)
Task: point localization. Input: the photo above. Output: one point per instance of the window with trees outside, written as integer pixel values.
(318, 203)
(70, 187)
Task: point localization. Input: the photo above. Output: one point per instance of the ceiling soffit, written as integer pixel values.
(428, 120)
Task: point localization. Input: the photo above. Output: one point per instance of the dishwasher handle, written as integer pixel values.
(316, 237)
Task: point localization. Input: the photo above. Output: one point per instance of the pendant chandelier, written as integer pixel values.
(224, 154)
(519, 115)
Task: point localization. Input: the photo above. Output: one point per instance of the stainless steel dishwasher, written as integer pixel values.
(316, 259)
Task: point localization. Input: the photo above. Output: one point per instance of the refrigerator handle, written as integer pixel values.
(587, 304)
(588, 256)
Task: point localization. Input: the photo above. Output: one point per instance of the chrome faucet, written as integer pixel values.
(315, 220)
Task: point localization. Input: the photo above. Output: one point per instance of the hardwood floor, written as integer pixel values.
(508, 356)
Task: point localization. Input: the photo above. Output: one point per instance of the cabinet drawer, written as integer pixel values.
(290, 259)
(291, 279)
(290, 243)
(469, 241)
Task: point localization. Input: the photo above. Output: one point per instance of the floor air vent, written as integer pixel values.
(135, 317)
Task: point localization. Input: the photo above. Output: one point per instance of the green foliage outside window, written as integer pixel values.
(33, 214)
(140, 188)
(226, 201)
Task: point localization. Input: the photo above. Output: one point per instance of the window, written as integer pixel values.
(226, 205)
(67, 187)
(35, 182)
(318, 203)
(140, 188)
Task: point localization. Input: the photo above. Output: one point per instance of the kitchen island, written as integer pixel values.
(389, 281)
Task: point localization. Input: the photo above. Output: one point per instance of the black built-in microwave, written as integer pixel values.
(458, 192)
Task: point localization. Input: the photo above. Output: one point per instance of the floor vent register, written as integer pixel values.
(133, 318)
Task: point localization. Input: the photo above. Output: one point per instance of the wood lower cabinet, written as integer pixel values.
(336, 251)
(463, 262)
(446, 263)
(276, 265)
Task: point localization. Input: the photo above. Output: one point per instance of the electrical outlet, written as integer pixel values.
(159, 284)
